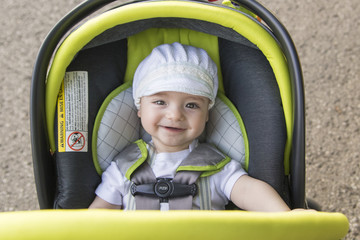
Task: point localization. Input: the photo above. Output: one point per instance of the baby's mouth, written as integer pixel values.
(174, 129)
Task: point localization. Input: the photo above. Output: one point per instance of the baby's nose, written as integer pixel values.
(175, 114)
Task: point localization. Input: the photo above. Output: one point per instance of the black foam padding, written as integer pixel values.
(77, 178)
(250, 84)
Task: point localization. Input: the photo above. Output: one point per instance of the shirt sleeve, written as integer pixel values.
(112, 186)
(226, 179)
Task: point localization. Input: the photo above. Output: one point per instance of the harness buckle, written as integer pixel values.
(164, 188)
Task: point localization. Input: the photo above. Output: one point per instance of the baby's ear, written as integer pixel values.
(139, 113)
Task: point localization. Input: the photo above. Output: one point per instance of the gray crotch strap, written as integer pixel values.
(149, 191)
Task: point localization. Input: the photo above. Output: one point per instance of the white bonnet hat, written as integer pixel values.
(179, 68)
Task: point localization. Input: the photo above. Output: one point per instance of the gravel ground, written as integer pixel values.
(326, 34)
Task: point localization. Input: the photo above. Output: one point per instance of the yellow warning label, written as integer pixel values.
(73, 111)
(61, 120)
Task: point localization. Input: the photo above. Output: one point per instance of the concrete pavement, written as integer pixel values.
(326, 34)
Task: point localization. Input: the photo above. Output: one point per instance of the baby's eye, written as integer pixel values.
(159, 102)
(192, 105)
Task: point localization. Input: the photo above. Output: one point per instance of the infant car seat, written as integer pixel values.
(82, 69)
(104, 52)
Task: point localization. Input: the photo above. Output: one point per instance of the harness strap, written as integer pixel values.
(143, 175)
(183, 203)
(202, 162)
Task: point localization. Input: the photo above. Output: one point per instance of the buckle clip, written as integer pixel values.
(164, 188)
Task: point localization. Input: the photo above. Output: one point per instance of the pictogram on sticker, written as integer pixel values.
(76, 141)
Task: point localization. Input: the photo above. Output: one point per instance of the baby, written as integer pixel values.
(174, 88)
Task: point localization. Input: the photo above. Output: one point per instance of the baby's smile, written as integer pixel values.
(174, 129)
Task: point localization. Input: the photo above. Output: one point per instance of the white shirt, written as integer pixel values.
(114, 187)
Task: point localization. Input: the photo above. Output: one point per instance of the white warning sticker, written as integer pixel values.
(73, 110)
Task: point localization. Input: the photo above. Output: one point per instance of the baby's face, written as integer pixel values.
(173, 119)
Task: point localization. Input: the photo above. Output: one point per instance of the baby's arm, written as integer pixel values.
(109, 189)
(254, 195)
(100, 203)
